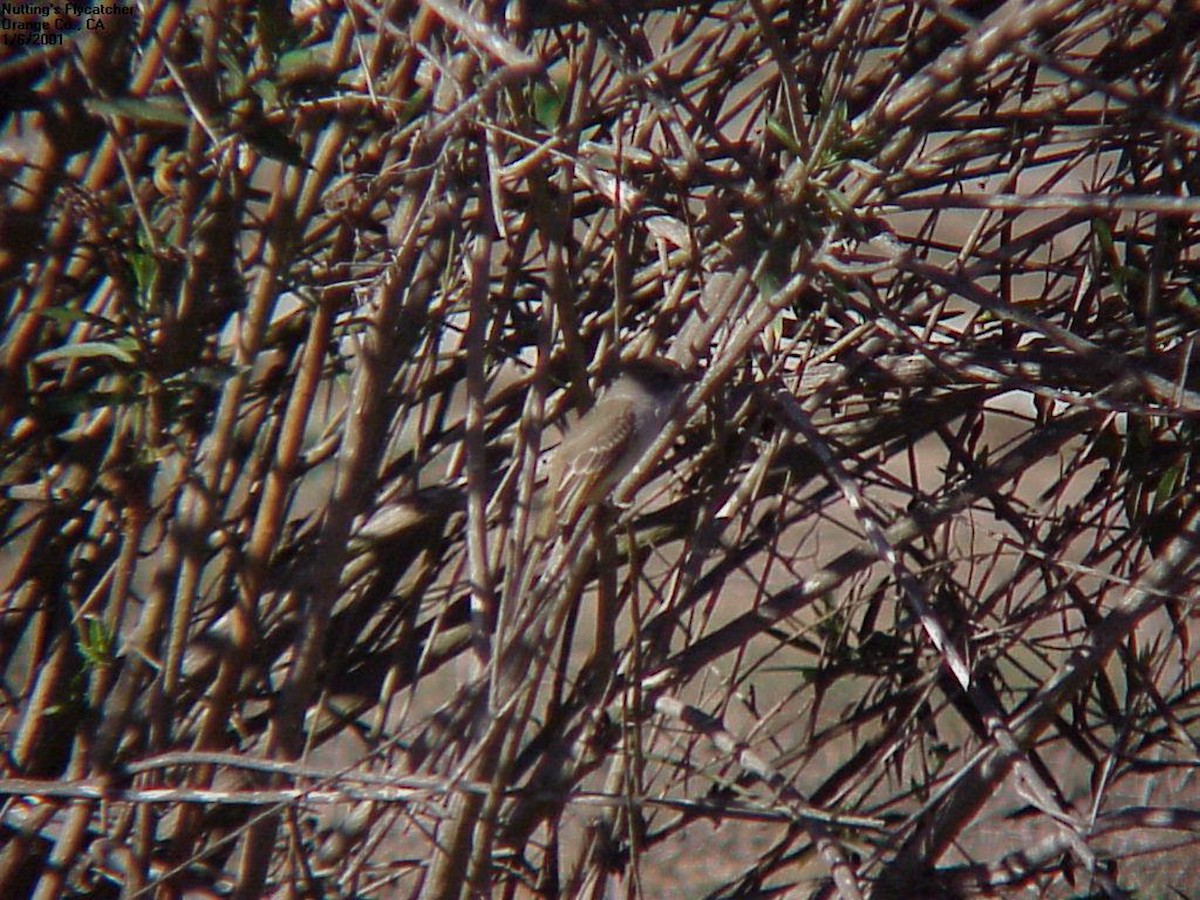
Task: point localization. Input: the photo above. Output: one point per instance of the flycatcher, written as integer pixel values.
(605, 444)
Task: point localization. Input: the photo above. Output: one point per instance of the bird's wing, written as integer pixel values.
(589, 462)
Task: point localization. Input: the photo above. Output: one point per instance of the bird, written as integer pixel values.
(604, 445)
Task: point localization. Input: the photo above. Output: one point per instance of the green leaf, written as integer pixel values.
(145, 268)
(120, 350)
(96, 644)
(784, 135)
(64, 315)
(163, 111)
(547, 105)
(1165, 488)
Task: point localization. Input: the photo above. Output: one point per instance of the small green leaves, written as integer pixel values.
(96, 644)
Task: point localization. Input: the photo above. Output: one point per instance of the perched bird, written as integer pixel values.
(604, 445)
